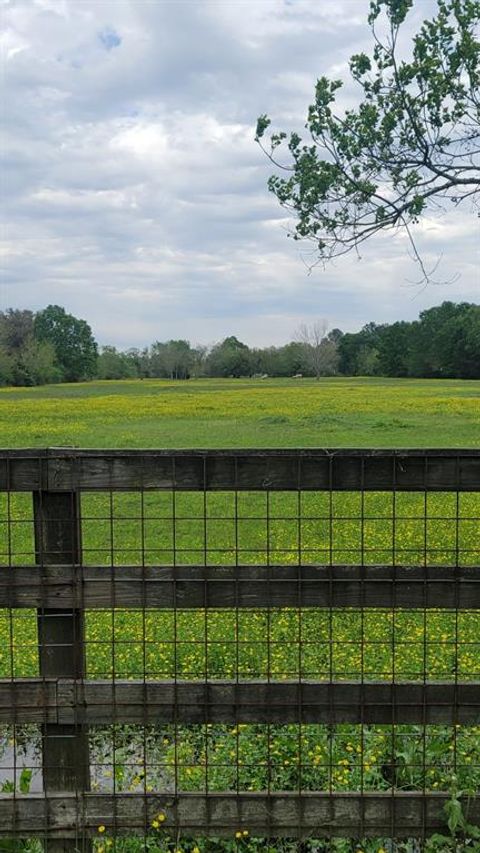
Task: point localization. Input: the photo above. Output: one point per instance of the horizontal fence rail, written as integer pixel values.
(284, 470)
(242, 586)
(143, 702)
(285, 814)
(105, 581)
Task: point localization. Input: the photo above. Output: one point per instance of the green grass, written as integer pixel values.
(441, 529)
(244, 413)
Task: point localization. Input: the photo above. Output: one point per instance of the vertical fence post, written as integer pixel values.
(61, 652)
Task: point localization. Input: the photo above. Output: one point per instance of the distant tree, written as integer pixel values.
(367, 361)
(26, 361)
(16, 329)
(139, 359)
(335, 335)
(328, 358)
(293, 357)
(181, 358)
(446, 342)
(7, 367)
(279, 361)
(231, 357)
(311, 338)
(469, 364)
(411, 146)
(347, 353)
(266, 360)
(37, 364)
(74, 345)
(112, 364)
(199, 359)
(359, 352)
(172, 359)
(394, 349)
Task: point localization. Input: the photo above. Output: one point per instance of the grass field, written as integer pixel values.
(442, 529)
(244, 413)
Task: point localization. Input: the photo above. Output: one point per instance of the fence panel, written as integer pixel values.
(264, 646)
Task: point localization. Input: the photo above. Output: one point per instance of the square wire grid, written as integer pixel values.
(155, 749)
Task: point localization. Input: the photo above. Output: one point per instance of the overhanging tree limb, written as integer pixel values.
(410, 147)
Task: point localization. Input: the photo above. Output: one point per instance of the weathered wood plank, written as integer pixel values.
(97, 587)
(344, 469)
(61, 646)
(22, 470)
(271, 702)
(269, 470)
(71, 702)
(309, 814)
(28, 700)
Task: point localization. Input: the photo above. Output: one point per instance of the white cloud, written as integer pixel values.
(135, 193)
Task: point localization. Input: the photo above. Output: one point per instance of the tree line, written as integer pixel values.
(54, 346)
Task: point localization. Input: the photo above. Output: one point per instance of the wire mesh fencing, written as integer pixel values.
(240, 650)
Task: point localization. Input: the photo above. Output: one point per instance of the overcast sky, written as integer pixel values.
(136, 196)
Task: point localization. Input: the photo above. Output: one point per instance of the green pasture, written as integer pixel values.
(249, 529)
(334, 412)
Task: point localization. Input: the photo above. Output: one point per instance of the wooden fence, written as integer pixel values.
(60, 587)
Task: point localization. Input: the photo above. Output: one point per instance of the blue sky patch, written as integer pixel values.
(109, 38)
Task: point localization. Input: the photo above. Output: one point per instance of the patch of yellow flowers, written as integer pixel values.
(159, 820)
(70, 414)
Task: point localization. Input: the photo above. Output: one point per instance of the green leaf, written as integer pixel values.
(360, 64)
(455, 818)
(25, 780)
(263, 123)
